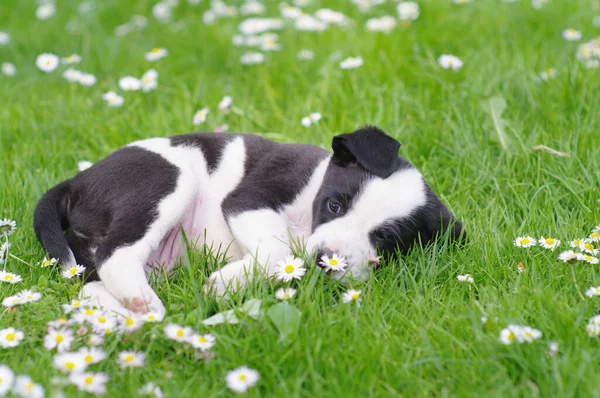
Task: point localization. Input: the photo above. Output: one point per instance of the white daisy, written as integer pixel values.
(7, 227)
(26, 388)
(285, 294)
(552, 349)
(151, 389)
(85, 164)
(384, 24)
(592, 329)
(69, 362)
(202, 341)
(29, 296)
(90, 382)
(548, 73)
(571, 34)
(595, 236)
(252, 58)
(9, 277)
(200, 116)
(131, 359)
(71, 59)
(149, 80)
(549, 243)
(466, 278)
(448, 61)
(86, 79)
(308, 23)
(47, 62)
(45, 11)
(331, 17)
(72, 75)
(86, 314)
(588, 247)
(569, 256)
(75, 305)
(91, 355)
(335, 263)
(241, 379)
(352, 296)
(178, 333)
(408, 10)
(351, 63)
(591, 64)
(152, 317)
(155, 54)
(311, 119)
(113, 99)
(7, 378)
(225, 104)
(61, 339)
(305, 55)
(525, 241)
(130, 83)
(95, 339)
(530, 334)
(290, 268)
(510, 335)
(593, 291)
(4, 38)
(131, 322)
(8, 69)
(10, 337)
(576, 243)
(75, 270)
(48, 262)
(104, 322)
(589, 259)
(11, 301)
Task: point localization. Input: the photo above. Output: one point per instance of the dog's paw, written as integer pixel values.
(147, 302)
(227, 280)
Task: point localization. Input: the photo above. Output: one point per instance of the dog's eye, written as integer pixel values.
(334, 207)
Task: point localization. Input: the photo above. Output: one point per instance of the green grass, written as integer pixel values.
(418, 331)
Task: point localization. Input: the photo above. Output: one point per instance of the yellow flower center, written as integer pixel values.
(180, 333)
(8, 277)
(88, 380)
(286, 296)
(108, 331)
(511, 336)
(333, 262)
(69, 365)
(88, 358)
(155, 50)
(202, 339)
(595, 235)
(577, 242)
(73, 271)
(59, 338)
(129, 358)
(525, 241)
(29, 386)
(129, 322)
(89, 311)
(289, 268)
(588, 258)
(101, 319)
(151, 317)
(10, 336)
(242, 377)
(355, 296)
(550, 241)
(588, 246)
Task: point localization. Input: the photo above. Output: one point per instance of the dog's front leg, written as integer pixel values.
(264, 236)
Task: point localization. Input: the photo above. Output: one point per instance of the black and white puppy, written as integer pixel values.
(127, 214)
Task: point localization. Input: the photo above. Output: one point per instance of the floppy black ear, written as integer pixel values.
(370, 147)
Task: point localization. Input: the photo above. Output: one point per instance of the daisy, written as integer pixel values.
(252, 58)
(58, 323)
(4, 249)
(152, 317)
(9, 277)
(4, 38)
(571, 34)
(131, 359)
(592, 64)
(11, 301)
(351, 63)
(86, 164)
(552, 349)
(113, 100)
(290, 268)
(72, 75)
(252, 8)
(569, 256)
(26, 388)
(225, 104)
(530, 334)
(595, 236)
(576, 243)
(588, 247)
(549, 243)
(104, 322)
(75, 305)
(8, 69)
(45, 11)
(589, 259)
(592, 329)
(86, 79)
(593, 291)
(61, 339)
(331, 17)
(511, 334)
(352, 296)
(95, 339)
(130, 83)
(70, 362)
(202, 341)
(524, 241)
(7, 227)
(466, 278)
(48, 262)
(71, 59)
(285, 294)
(7, 378)
(47, 62)
(29, 296)
(151, 389)
(10, 337)
(178, 333)
(305, 55)
(91, 382)
(155, 54)
(241, 379)
(75, 270)
(335, 263)
(548, 73)
(308, 23)
(384, 24)
(86, 314)
(149, 80)
(408, 11)
(131, 323)
(200, 116)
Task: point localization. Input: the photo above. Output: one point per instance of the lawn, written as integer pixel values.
(418, 330)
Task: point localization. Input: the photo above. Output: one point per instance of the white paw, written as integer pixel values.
(228, 280)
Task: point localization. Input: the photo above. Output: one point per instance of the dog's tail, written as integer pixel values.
(50, 220)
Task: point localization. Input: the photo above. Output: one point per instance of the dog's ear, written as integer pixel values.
(370, 147)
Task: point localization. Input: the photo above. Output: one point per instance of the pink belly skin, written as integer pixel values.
(172, 245)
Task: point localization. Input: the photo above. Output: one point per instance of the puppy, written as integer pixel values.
(127, 214)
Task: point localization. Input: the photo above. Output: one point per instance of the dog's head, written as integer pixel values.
(373, 202)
